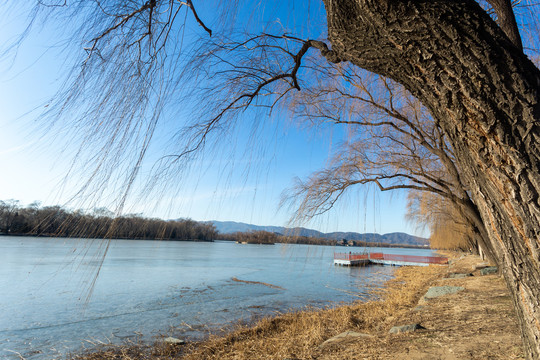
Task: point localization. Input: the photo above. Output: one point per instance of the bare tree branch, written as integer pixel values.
(189, 3)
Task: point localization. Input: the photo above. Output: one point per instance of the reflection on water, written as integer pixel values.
(145, 288)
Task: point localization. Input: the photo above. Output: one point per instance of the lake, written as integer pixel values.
(53, 301)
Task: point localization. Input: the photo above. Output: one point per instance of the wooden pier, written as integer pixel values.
(356, 259)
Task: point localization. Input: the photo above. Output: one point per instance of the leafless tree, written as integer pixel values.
(393, 144)
(8, 213)
(449, 229)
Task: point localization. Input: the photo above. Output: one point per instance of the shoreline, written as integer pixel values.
(477, 322)
(362, 245)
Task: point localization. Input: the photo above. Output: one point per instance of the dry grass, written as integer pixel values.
(132, 351)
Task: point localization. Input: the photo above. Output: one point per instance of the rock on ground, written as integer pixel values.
(489, 270)
(437, 291)
(459, 275)
(173, 341)
(405, 328)
(345, 336)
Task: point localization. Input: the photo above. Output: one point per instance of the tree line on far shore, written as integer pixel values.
(34, 220)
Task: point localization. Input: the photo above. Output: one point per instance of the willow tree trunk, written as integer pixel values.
(484, 92)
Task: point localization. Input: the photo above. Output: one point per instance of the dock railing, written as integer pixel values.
(350, 256)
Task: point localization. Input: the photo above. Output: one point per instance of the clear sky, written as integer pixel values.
(240, 180)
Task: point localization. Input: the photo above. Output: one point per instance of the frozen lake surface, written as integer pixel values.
(53, 301)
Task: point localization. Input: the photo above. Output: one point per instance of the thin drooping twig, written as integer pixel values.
(189, 3)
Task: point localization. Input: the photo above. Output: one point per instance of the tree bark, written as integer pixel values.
(470, 212)
(484, 92)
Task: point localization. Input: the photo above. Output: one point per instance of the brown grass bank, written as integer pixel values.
(476, 323)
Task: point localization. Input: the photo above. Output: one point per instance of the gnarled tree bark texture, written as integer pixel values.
(484, 92)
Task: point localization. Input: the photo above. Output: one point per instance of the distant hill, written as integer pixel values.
(228, 227)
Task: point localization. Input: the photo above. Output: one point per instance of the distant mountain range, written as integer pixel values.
(227, 227)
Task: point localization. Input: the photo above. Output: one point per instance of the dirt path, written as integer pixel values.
(476, 323)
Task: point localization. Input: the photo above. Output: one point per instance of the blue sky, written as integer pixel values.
(239, 180)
